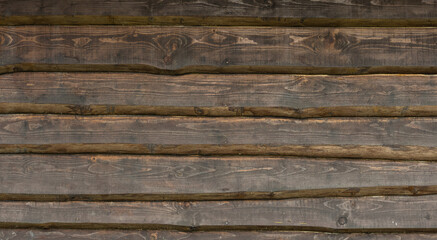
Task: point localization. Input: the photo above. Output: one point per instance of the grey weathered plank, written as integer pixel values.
(218, 49)
(393, 213)
(406, 138)
(134, 177)
(219, 95)
(271, 12)
(76, 234)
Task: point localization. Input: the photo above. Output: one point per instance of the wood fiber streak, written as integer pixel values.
(118, 177)
(298, 96)
(212, 12)
(391, 214)
(177, 50)
(37, 234)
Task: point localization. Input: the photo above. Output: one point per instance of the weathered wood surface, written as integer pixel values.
(77, 234)
(219, 95)
(393, 213)
(124, 177)
(271, 8)
(176, 50)
(196, 135)
(204, 12)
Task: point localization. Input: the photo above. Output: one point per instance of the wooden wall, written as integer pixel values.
(244, 119)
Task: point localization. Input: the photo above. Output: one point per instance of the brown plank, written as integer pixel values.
(135, 177)
(366, 214)
(208, 12)
(297, 96)
(196, 135)
(77, 234)
(177, 50)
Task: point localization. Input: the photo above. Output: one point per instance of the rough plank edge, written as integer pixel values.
(214, 21)
(343, 111)
(325, 151)
(280, 195)
(143, 68)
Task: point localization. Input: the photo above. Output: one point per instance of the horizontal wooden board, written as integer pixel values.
(165, 135)
(135, 177)
(297, 96)
(366, 214)
(177, 50)
(207, 12)
(77, 234)
(279, 8)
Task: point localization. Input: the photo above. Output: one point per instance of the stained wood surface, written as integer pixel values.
(164, 135)
(37, 234)
(135, 177)
(176, 50)
(219, 95)
(279, 8)
(393, 213)
(204, 12)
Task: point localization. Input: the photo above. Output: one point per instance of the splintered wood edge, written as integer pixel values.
(215, 21)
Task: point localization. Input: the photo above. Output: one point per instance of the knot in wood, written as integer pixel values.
(342, 220)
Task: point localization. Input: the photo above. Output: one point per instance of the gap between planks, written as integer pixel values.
(208, 69)
(280, 195)
(281, 112)
(68, 234)
(317, 151)
(192, 229)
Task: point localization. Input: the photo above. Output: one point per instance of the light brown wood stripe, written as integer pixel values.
(135, 177)
(77, 234)
(390, 214)
(177, 50)
(225, 12)
(181, 135)
(297, 96)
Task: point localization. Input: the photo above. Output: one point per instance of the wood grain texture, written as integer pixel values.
(157, 132)
(279, 8)
(178, 50)
(414, 138)
(298, 96)
(366, 214)
(135, 177)
(77, 234)
(212, 12)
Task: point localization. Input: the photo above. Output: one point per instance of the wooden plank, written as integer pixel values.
(178, 50)
(413, 138)
(208, 12)
(77, 234)
(134, 177)
(298, 96)
(366, 214)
